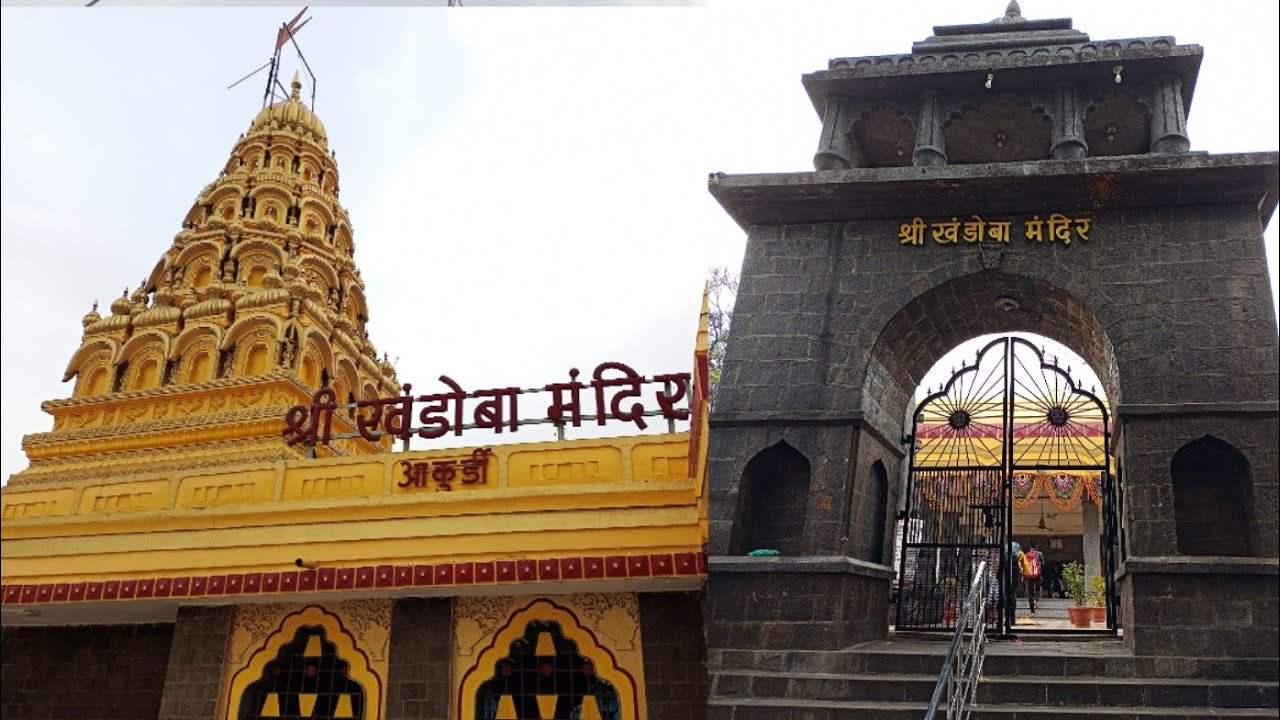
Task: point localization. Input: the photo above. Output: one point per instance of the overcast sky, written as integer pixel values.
(527, 186)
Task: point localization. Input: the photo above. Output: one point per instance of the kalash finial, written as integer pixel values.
(1012, 13)
(296, 87)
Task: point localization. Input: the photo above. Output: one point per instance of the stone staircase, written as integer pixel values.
(1022, 679)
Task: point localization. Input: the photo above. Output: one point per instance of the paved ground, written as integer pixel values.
(1051, 614)
(1099, 647)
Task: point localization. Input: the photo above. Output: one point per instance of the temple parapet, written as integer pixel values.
(614, 509)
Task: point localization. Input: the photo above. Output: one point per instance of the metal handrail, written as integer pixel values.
(962, 667)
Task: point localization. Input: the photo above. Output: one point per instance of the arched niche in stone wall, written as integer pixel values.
(773, 501)
(1003, 128)
(1212, 491)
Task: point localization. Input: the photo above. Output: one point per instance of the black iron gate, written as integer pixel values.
(1012, 414)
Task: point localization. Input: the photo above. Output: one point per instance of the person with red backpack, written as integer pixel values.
(1031, 563)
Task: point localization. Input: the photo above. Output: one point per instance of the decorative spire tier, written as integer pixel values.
(1009, 90)
(255, 305)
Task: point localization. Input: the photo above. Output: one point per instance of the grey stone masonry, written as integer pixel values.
(1002, 80)
(418, 684)
(841, 311)
(192, 683)
(674, 645)
(86, 672)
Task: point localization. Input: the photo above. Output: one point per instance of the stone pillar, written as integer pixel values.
(193, 680)
(1068, 124)
(930, 145)
(1092, 522)
(421, 654)
(834, 149)
(1168, 117)
(674, 647)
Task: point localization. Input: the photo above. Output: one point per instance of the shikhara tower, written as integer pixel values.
(256, 304)
(169, 555)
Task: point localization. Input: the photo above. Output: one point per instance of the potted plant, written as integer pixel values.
(1098, 598)
(1079, 613)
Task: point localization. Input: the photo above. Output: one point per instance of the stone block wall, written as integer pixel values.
(795, 603)
(193, 682)
(675, 672)
(828, 451)
(1150, 443)
(418, 686)
(1214, 608)
(870, 516)
(88, 672)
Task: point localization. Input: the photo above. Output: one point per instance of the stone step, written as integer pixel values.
(1049, 691)
(784, 709)
(1096, 659)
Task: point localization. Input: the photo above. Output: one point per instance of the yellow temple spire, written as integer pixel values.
(255, 305)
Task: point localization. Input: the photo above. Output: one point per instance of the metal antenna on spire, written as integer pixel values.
(286, 32)
(290, 32)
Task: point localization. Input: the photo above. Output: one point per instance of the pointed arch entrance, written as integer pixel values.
(998, 429)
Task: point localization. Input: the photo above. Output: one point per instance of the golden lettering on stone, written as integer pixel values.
(912, 233)
(944, 233)
(1056, 228)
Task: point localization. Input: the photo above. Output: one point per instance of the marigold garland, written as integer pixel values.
(1026, 489)
(1064, 490)
(1093, 486)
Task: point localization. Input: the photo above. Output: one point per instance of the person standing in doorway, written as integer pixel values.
(1032, 564)
(1015, 568)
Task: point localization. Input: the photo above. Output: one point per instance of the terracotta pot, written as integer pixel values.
(1080, 615)
(1099, 614)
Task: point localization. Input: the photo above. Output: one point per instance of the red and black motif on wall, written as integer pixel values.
(543, 676)
(307, 679)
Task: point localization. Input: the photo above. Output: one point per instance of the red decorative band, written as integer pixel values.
(605, 567)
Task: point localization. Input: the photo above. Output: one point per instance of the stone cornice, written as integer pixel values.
(1155, 410)
(834, 564)
(905, 76)
(1199, 565)
(1003, 188)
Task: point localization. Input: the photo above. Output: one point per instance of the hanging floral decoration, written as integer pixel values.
(1093, 487)
(935, 489)
(955, 490)
(984, 490)
(1064, 490)
(1026, 488)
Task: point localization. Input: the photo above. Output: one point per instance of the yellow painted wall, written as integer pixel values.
(604, 497)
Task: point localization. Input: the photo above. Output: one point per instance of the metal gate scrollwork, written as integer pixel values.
(995, 426)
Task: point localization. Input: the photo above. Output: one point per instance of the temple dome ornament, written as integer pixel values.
(92, 316)
(291, 114)
(122, 305)
(159, 314)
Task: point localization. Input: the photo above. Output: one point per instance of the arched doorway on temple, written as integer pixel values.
(1011, 463)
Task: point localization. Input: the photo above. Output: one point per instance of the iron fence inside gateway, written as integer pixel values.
(1011, 410)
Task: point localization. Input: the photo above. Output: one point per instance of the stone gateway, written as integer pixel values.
(1114, 239)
